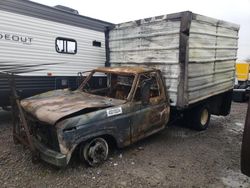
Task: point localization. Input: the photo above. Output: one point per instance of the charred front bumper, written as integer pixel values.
(50, 156)
(45, 140)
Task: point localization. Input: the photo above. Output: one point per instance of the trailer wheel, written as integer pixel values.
(200, 118)
(94, 152)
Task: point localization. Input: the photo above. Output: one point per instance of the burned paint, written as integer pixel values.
(54, 105)
(124, 70)
(115, 111)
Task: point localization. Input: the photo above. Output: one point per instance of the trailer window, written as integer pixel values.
(97, 43)
(64, 45)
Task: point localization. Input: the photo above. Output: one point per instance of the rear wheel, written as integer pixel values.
(95, 151)
(200, 118)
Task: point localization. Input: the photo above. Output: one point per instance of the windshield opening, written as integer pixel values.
(112, 85)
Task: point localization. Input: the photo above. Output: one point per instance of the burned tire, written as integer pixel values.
(94, 152)
(200, 118)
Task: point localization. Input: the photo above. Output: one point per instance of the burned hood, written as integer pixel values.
(51, 106)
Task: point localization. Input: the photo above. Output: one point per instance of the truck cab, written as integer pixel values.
(129, 104)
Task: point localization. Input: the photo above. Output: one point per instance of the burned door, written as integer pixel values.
(152, 116)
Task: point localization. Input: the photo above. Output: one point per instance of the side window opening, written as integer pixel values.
(154, 88)
(115, 86)
(65, 45)
(120, 86)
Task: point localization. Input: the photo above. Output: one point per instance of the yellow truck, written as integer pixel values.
(242, 82)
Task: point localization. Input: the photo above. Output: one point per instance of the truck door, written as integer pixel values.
(152, 116)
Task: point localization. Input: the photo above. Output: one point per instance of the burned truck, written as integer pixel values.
(133, 103)
(157, 70)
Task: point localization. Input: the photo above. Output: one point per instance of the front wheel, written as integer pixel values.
(94, 152)
(200, 118)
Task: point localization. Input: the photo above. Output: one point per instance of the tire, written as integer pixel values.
(200, 118)
(239, 96)
(94, 152)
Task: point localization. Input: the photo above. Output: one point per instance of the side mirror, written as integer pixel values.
(145, 91)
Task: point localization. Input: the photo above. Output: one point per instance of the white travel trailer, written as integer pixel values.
(46, 46)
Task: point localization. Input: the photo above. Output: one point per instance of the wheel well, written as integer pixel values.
(110, 139)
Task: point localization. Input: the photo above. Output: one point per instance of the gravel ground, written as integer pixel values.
(175, 157)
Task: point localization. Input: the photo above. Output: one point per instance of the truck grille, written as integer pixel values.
(44, 133)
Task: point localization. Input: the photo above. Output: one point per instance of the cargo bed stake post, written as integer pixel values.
(17, 113)
(186, 18)
(107, 49)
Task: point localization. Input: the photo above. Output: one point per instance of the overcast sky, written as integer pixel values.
(117, 11)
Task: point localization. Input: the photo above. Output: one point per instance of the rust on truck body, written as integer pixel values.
(60, 120)
(124, 70)
(52, 106)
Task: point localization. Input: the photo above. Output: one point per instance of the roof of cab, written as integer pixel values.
(125, 70)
